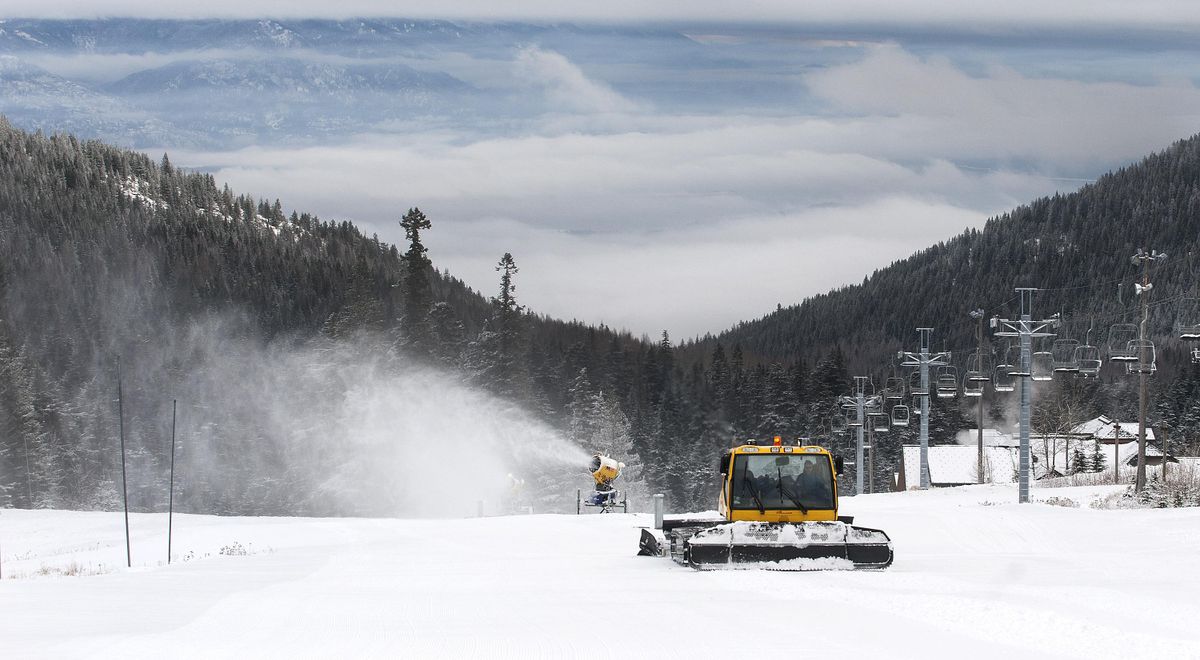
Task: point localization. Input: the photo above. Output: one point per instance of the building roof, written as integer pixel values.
(1101, 428)
(956, 465)
(991, 438)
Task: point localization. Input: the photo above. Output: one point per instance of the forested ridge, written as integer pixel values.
(109, 258)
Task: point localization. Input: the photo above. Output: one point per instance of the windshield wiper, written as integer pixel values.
(791, 496)
(749, 485)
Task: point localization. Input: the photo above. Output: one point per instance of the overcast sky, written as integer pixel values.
(971, 14)
(627, 205)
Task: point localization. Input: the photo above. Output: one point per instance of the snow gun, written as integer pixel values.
(604, 472)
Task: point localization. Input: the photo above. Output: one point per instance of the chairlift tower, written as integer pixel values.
(923, 359)
(978, 314)
(1026, 329)
(859, 401)
(1144, 366)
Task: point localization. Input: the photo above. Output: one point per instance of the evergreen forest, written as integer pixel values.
(121, 270)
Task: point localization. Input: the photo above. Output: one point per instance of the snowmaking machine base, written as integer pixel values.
(714, 543)
(608, 501)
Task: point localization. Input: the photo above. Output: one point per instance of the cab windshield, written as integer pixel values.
(782, 481)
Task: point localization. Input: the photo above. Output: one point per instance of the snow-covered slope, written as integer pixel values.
(976, 575)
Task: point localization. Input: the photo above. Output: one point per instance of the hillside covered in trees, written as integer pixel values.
(277, 331)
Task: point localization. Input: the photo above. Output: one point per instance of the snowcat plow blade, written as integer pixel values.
(803, 546)
(649, 545)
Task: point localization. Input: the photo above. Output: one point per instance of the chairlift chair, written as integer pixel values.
(1143, 362)
(881, 422)
(893, 388)
(971, 385)
(977, 368)
(1196, 356)
(914, 384)
(1189, 332)
(1065, 355)
(1120, 342)
(1087, 358)
(900, 413)
(839, 424)
(1042, 366)
(1014, 365)
(947, 382)
(1002, 378)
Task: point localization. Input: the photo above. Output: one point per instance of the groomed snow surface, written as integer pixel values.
(976, 576)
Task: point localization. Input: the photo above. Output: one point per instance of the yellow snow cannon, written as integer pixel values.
(778, 509)
(604, 472)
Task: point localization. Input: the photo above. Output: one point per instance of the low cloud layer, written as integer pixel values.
(565, 85)
(621, 215)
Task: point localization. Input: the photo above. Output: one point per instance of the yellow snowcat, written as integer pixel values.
(778, 510)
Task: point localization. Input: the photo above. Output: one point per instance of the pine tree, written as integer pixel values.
(1099, 461)
(417, 294)
(505, 369)
(1079, 461)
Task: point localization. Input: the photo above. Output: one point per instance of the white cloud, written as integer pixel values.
(690, 232)
(691, 223)
(696, 279)
(912, 107)
(565, 85)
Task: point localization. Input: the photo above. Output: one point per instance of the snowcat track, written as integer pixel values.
(783, 546)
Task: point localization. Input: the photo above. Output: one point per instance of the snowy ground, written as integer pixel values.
(976, 575)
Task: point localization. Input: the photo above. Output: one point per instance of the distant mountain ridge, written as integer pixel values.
(1075, 246)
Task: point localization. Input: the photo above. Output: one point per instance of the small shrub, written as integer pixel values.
(234, 549)
(1122, 500)
(1061, 501)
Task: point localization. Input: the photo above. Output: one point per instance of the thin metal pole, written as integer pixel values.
(1143, 394)
(860, 386)
(1165, 429)
(171, 496)
(979, 353)
(1116, 452)
(28, 479)
(1026, 385)
(124, 487)
(925, 480)
(871, 461)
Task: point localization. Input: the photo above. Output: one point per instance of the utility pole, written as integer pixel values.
(977, 314)
(1144, 367)
(1116, 451)
(1026, 329)
(923, 359)
(1165, 429)
(871, 460)
(171, 488)
(124, 480)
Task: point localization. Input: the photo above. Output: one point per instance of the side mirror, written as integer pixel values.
(838, 464)
(723, 464)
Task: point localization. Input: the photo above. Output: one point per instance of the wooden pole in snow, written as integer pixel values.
(124, 486)
(171, 496)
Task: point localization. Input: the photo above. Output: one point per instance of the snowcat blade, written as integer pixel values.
(789, 546)
(648, 546)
